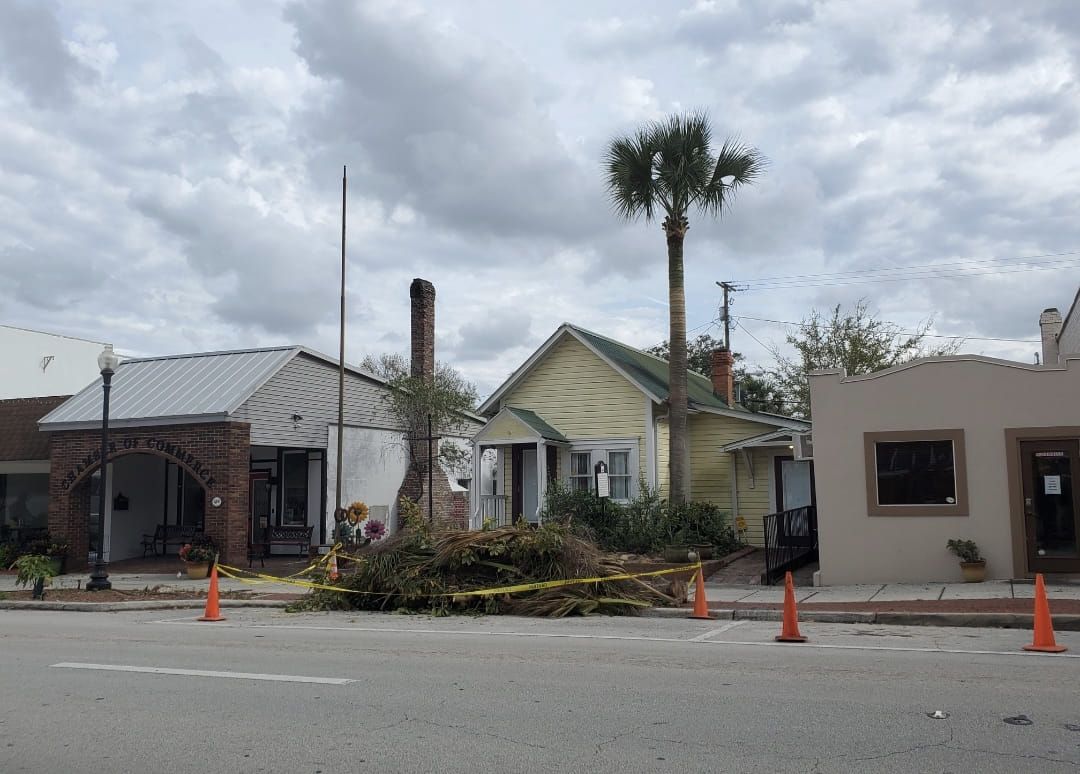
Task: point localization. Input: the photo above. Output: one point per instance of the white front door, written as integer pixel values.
(529, 501)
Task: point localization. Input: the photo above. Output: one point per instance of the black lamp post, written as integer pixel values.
(107, 362)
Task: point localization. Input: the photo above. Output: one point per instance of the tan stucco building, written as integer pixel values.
(954, 447)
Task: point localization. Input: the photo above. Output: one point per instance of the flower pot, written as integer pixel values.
(704, 550)
(974, 572)
(58, 564)
(676, 554)
(197, 570)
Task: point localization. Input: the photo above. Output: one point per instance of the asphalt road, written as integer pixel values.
(412, 694)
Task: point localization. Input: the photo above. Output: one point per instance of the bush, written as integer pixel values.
(701, 523)
(643, 526)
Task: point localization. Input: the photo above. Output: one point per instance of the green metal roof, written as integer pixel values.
(651, 372)
(537, 423)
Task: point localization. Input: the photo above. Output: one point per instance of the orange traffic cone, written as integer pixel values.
(1043, 641)
(790, 630)
(701, 605)
(213, 610)
(334, 574)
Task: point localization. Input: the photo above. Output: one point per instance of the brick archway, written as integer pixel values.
(215, 454)
(83, 477)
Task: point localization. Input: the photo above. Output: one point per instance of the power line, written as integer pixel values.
(827, 280)
(960, 263)
(899, 333)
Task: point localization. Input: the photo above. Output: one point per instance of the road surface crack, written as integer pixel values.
(487, 734)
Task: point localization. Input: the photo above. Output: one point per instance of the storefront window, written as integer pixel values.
(24, 503)
(295, 469)
(916, 473)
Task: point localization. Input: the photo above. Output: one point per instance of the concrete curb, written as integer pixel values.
(1062, 623)
(149, 604)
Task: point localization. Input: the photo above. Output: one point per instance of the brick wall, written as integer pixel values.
(215, 454)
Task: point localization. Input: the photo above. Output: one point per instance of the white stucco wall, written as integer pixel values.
(375, 462)
(141, 479)
(72, 367)
(979, 396)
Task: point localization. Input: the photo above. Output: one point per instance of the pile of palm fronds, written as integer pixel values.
(427, 567)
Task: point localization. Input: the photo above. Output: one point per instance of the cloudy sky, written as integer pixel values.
(170, 173)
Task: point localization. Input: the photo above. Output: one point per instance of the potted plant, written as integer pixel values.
(198, 559)
(678, 548)
(971, 562)
(57, 553)
(36, 570)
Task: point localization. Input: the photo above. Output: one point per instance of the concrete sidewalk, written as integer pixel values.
(885, 592)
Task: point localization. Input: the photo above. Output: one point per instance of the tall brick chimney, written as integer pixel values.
(422, 358)
(1050, 328)
(446, 504)
(723, 374)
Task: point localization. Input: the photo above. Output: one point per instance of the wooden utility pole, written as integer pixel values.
(725, 314)
(341, 359)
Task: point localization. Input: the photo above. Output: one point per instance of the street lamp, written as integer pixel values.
(107, 362)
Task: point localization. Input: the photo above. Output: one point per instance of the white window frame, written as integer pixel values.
(599, 451)
(572, 477)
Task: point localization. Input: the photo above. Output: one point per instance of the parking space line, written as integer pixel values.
(205, 673)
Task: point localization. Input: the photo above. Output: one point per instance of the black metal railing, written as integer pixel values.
(791, 541)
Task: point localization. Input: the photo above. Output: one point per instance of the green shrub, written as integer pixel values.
(644, 525)
(701, 523)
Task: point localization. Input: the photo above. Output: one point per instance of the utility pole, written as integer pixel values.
(341, 361)
(725, 313)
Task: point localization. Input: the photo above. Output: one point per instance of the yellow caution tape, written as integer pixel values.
(230, 573)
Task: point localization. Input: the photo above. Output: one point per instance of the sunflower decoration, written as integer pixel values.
(357, 512)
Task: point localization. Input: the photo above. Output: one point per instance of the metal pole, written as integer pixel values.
(430, 470)
(341, 360)
(99, 578)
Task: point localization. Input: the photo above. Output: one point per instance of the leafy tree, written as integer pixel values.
(412, 400)
(853, 340)
(760, 392)
(669, 167)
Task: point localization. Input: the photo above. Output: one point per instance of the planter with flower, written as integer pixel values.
(198, 559)
(55, 552)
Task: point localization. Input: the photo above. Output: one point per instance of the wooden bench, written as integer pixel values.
(289, 536)
(167, 535)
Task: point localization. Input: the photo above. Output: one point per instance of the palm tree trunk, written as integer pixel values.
(677, 403)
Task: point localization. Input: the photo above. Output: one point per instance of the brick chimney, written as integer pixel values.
(422, 358)
(723, 375)
(1050, 327)
(447, 504)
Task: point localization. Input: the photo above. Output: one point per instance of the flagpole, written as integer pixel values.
(341, 360)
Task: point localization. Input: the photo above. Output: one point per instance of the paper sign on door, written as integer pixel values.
(1052, 485)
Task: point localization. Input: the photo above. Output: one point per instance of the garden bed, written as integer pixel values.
(120, 595)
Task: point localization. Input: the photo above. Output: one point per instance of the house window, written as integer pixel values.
(916, 473)
(619, 474)
(581, 471)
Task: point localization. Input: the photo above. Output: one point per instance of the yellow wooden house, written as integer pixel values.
(583, 398)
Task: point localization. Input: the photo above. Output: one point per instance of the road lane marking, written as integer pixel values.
(717, 630)
(635, 638)
(205, 673)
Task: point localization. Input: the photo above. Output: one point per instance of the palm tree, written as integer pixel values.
(669, 167)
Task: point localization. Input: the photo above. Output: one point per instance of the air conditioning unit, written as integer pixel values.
(804, 446)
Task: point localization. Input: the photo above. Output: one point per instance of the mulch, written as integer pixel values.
(124, 595)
